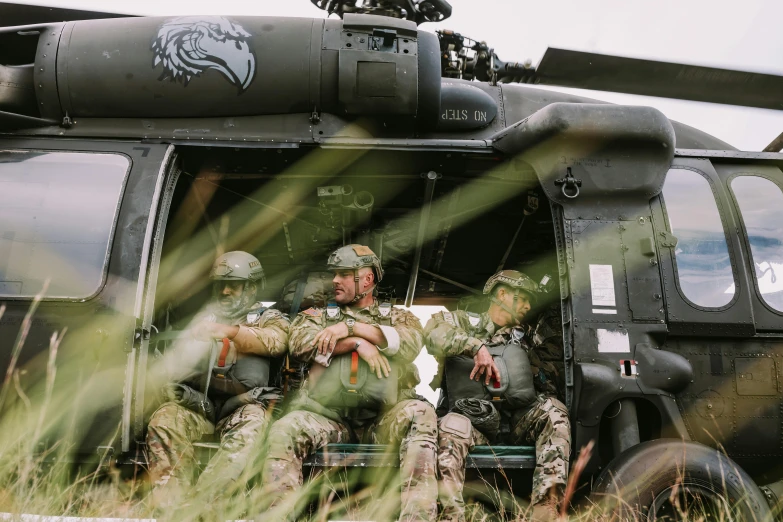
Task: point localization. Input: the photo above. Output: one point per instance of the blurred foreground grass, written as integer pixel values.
(44, 405)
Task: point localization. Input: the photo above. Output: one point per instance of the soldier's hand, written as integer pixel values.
(327, 338)
(484, 365)
(379, 364)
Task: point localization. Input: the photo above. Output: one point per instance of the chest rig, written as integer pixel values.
(514, 391)
(348, 384)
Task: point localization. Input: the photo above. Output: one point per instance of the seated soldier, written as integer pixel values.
(387, 339)
(541, 419)
(228, 385)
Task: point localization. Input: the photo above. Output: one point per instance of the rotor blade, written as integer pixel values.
(12, 14)
(776, 145)
(600, 72)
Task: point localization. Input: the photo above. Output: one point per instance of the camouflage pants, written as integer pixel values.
(456, 437)
(545, 425)
(411, 423)
(170, 434)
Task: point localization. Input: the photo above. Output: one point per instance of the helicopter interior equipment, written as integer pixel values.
(288, 137)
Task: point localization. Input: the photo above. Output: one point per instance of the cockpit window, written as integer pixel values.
(704, 270)
(57, 215)
(761, 204)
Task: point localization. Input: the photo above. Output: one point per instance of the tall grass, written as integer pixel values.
(41, 410)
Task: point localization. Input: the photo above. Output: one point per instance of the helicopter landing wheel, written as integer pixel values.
(671, 480)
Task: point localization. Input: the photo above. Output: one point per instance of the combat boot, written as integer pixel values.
(546, 510)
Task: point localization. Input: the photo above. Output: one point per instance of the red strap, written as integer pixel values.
(224, 352)
(354, 368)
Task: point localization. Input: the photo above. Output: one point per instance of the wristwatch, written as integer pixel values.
(349, 323)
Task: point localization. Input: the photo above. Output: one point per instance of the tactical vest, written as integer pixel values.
(348, 382)
(516, 389)
(235, 373)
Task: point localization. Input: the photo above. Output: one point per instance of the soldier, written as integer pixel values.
(383, 336)
(241, 336)
(545, 423)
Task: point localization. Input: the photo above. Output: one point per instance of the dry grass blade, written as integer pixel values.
(576, 472)
(20, 391)
(20, 339)
(51, 374)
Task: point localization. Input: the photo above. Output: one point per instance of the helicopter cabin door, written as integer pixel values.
(77, 220)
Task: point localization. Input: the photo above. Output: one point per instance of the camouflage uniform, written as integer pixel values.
(548, 341)
(411, 422)
(545, 424)
(173, 428)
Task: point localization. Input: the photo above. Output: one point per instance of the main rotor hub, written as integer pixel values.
(418, 11)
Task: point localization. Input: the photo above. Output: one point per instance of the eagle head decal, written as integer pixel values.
(189, 45)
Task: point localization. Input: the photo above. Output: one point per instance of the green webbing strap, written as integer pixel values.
(208, 377)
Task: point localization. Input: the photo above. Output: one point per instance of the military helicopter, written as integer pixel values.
(134, 148)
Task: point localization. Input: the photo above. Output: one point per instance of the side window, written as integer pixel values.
(57, 215)
(761, 205)
(702, 259)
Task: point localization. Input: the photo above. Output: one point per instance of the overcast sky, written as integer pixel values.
(722, 33)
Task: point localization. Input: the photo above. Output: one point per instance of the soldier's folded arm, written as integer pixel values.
(446, 339)
(268, 337)
(376, 334)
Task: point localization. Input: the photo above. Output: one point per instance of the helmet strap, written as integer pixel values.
(358, 296)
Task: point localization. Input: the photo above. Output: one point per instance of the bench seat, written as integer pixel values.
(377, 456)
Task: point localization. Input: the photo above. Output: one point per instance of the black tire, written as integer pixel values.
(643, 481)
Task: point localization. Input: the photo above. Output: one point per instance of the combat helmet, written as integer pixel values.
(514, 279)
(517, 281)
(238, 266)
(354, 257)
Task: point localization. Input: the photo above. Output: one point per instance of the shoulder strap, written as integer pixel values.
(258, 312)
(298, 296)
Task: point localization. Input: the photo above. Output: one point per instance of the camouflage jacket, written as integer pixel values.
(548, 342)
(269, 326)
(404, 337)
(450, 334)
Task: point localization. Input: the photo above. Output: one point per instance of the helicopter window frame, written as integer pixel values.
(723, 219)
(102, 273)
(749, 246)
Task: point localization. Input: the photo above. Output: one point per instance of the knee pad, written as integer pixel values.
(456, 424)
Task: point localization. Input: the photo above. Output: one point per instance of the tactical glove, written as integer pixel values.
(191, 399)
